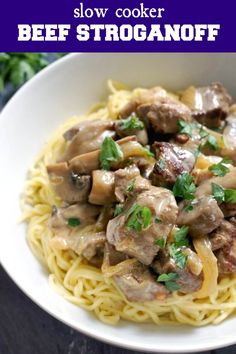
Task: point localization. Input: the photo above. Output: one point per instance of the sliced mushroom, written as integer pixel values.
(70, 187)
(103, 188)
(87, 136)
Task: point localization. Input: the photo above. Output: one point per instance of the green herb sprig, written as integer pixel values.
(139, 217)
(110, 152)
(169, 281)
(17, 68)
(222, 194)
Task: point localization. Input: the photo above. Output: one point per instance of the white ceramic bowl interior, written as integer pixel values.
(70, 87)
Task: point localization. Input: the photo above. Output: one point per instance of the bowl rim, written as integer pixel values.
(85, 329)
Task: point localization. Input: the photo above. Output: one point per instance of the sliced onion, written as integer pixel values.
(210, 270)
(109, 271)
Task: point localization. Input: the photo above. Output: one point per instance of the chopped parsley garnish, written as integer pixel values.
(73, 222)
(161, 242)
(184, 187)
(147, 152)
(188, 208)
(130, 185)
(203, 132)
(131, 122)
(178, 256)
(185, 128)
(158, 220)
(110, 152)
(219, 169)
(180, 236)
(223, 195)
(169, 280)
(162, 164)
(211, 143)
(118, 209)
(139, 217)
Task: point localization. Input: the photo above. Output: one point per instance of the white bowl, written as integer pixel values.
(69, 87)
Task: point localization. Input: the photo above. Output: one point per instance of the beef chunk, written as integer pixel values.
(226, 256)
(163, 116)
(171, 162)
(138, 284)
(129, 177)
(139, 242)
(205, 217)
(188, 281)
(220, 236)
(209, 104)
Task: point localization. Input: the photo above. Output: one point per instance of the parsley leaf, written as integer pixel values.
(219, 169)
(178, 256)
(211, 143)
(131, 122)
(118, 209)
(223, 195)
(185, 128)
(139, 217)
(73, 222)
(188, 208)
(161, 242)
(203, 132)
(230, 195)
(180, 237)
(184, 187)
(218, 192)
(168, 279)
(20, 67)
(110, 152)
(131, 185)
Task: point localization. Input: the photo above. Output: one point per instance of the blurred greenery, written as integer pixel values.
(17, 68)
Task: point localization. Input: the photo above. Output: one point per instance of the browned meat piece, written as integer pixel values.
(209, 104)
(128, 180)
(84, 213)
(103, 188)
(228, 209)
(87, 243)
(171, 162)
(160, 205)
(226, 256)
(70, 187)
(220, 237)
(228, 181)
(151, 95)
(188, 280)
(163, 116)
(87, 136)
(114, 262)
(138, 284)
(123, 129)
(205, 217)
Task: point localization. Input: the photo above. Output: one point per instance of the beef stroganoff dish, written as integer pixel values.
(132, 207)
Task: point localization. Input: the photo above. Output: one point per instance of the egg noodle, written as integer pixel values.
(85, 285)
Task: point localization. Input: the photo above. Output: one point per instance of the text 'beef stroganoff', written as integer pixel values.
(132, 207)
